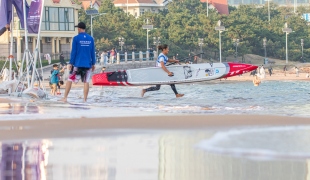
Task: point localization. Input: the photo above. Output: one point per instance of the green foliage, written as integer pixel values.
(184, 21)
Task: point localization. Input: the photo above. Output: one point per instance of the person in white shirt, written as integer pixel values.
(297, 71)
(161, 62)
(48, 58)
(102, 58)
(5, 74)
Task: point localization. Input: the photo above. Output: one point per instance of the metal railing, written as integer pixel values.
(140, 56)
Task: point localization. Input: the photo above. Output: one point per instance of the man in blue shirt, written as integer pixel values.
(82, 60)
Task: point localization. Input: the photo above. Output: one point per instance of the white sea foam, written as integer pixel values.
(261, 143)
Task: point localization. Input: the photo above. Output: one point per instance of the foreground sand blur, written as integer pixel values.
(56, 128)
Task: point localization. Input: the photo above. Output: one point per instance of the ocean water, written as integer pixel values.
(284, 98)
(288, 98)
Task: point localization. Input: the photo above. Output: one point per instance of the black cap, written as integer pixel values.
(81, 25)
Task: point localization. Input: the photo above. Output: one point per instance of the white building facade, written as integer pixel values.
(139, 7)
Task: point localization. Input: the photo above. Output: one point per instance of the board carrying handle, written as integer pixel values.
(172, 74)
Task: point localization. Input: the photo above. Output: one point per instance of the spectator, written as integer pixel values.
(112, 55)
(102, 58)
(5, 74)
(54, 79)
(48, 58)
(284, 70)
(195, 60)
(82, 61)
(270, 70)
(297, 71)
(62, 60)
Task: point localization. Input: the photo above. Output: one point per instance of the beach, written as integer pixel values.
(231, 130)
(273, 77)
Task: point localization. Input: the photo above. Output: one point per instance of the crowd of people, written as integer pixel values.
(259, 73)
(108, 57)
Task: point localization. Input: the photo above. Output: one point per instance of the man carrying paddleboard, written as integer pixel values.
(161, 62)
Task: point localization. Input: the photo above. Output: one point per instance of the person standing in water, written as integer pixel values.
(256, 81)
(82, 61)
(284, 70)
(161, 62)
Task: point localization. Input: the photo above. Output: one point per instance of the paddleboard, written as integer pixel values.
(187, 73)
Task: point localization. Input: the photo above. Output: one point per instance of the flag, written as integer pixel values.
(34, 16)
(6, 12)
(3, 16)
(18, 4)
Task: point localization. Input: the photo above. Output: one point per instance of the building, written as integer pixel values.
(220, 5)
(262, 2)
(139, 7)
(57, 31)
(95, 4)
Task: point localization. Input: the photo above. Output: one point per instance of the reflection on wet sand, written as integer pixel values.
(18, 108)
(22, 161)
(143, 156)
(179, 160)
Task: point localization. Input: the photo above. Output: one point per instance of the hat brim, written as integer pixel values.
(79, 27)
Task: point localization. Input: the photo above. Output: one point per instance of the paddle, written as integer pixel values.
(172, 74)
(185, 58)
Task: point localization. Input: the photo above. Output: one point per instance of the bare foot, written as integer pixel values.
(179, 95)
(63, 100)
(142, 92)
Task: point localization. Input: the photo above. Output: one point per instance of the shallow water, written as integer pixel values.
(284, 98)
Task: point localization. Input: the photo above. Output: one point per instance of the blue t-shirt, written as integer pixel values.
(162, 58)
(54, 77)
(83, 51)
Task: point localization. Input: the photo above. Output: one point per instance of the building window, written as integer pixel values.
(48, 40)
(141, 12)
(58, 19)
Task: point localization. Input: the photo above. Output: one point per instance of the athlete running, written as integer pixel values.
(161, 62)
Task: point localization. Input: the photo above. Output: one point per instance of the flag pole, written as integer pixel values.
(37, 48)
(11, 49)
(26, 42)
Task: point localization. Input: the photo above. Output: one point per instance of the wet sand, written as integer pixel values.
(131, 148)
(7, 100)
(56, 128)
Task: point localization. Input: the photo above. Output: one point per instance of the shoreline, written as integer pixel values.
(278, 76)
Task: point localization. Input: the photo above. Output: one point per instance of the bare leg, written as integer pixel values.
(67, 90)
(86, 89)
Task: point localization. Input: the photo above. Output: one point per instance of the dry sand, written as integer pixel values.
(277, 76)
